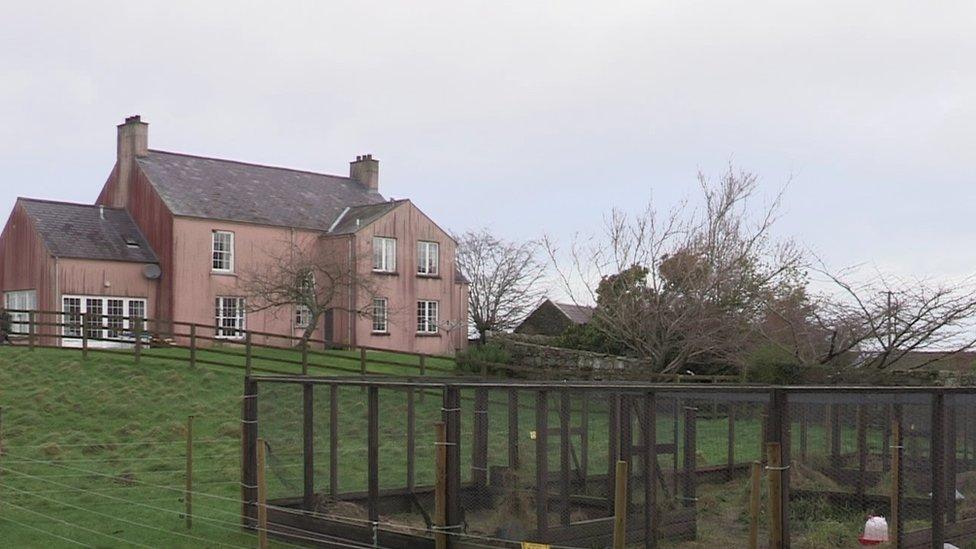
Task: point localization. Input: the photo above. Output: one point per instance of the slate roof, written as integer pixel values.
(79, 231)
(364, 214)
(212, 188)
(579, 314)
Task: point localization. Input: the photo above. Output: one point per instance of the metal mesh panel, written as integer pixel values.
(841, 465)
(538, 463)
(280, 427)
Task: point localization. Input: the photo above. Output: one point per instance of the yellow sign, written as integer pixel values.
(530, 545)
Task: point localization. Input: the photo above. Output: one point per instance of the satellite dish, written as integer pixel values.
(151, 271)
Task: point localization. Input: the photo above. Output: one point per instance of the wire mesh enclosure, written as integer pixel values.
(408, 463)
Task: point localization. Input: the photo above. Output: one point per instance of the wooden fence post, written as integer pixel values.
(620, 506)
(541, 462)
(362, 360)
(333, 441)
(249, 437)
(372, 452)
(193, 346)
(754, 499)
(262, 499)
(650, 470)
(188, 496)
(774, 459)
(937, 455)
(423, 372)
(138, 335)
(31, 319)
(411, 439)
(304, 358)
(690, 457)
(896, 471)
(565, 416)
(950, 460)
(247, 354)
(84, 335)
(731, 441)
(440, 486)
(862, 450)
(479, 446)
(308, 446)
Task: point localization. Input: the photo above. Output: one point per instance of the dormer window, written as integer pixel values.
(223, 252)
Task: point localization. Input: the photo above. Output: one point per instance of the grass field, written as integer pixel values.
(93, 451)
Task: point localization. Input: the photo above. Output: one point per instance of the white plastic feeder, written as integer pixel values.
(875, 531)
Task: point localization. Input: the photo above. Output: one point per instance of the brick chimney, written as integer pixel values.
(366, 171)
(133, 142)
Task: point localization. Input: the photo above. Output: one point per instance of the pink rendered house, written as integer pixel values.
(170, 235)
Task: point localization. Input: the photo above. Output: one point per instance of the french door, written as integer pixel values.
(108, 321)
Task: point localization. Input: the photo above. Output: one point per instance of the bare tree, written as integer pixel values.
(313, 274)
(688, 285)
(503, 279)
(885, 321)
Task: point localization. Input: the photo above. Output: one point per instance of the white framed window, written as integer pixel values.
(24, 300)
(137, 316)
(384, 254)
(306, 287)
(427, 317)
(427, 257)
(229, 317)
(115, 311)
(223, 252)
(380, 316)
(303, 316)
(71, 306)
(94, 321)
(109, 321)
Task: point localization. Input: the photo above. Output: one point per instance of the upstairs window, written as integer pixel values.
(427, 257)
(384, 254)
(380, 316)
(223, 251)
(427, 317)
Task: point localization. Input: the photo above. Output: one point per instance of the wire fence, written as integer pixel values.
(538, 462)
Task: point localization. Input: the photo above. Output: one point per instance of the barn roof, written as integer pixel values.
(212, 188)
(579, 314)
(88, 232)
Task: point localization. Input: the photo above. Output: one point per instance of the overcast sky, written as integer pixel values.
(528, 117)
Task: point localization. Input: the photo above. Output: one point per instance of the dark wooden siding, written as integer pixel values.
(25, 263)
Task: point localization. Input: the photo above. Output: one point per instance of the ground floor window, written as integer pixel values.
(427, 317)
(303, 316)
(20, 301)
(114, 319)
(229, 317)
(380, 316)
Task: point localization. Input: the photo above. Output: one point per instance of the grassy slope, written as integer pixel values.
(70, 421)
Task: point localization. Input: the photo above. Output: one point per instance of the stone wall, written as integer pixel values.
(532, 350)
